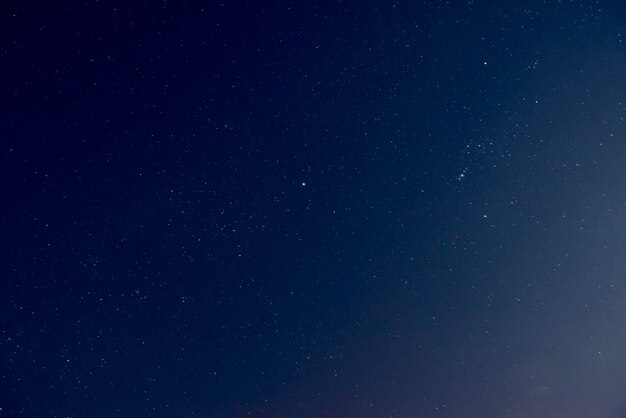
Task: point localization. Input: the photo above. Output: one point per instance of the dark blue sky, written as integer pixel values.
(313, 209)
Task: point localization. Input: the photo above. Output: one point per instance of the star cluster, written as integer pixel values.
(335, 208)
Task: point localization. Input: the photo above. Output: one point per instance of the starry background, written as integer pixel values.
(313, 209)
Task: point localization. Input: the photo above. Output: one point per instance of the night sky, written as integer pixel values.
(283, 208)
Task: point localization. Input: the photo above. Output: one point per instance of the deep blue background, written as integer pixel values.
(299, 209)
